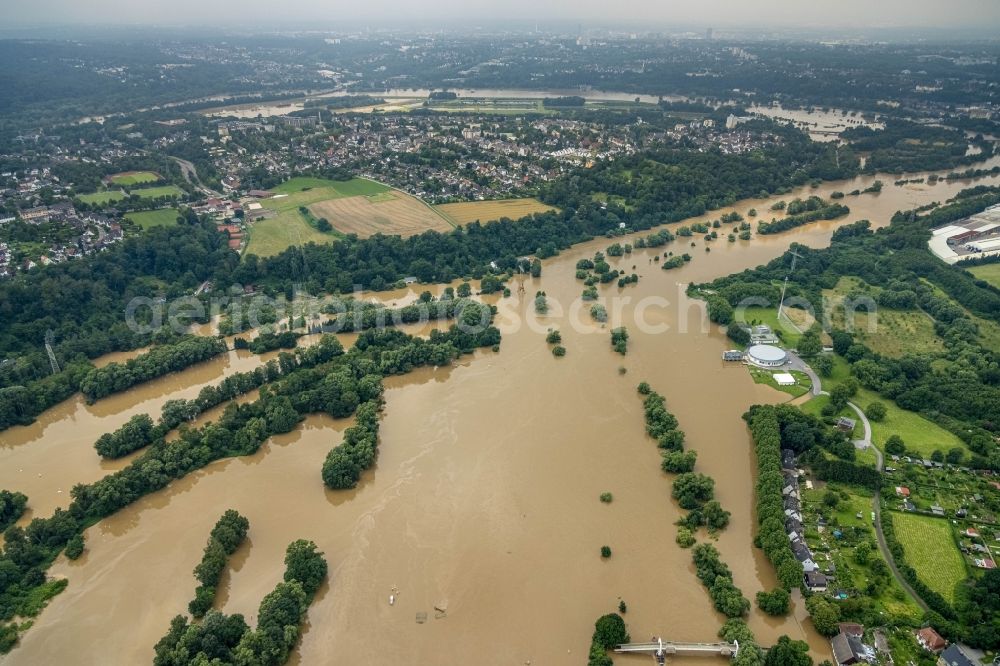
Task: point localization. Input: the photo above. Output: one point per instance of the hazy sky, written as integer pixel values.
(650, 13)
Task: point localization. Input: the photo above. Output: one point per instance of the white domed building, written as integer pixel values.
(767, 356)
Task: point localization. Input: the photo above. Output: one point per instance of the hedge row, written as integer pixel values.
(772, 537)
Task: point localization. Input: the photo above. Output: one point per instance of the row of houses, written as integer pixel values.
(815, 580)
(849, 647)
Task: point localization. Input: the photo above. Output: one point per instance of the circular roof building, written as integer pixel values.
(767, 356)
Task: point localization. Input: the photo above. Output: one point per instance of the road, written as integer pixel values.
(796, 363)
(191, 175)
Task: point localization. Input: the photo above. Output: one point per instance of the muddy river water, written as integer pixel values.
(484, 499)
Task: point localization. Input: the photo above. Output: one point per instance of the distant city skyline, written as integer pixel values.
(719, 14)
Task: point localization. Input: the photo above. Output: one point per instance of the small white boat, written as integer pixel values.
(392, 599)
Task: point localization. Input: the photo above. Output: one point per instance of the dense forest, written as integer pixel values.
(905, 146)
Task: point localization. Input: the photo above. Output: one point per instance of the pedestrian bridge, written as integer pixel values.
(661, 649)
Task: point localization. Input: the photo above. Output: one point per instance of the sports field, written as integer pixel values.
(390, 213)
(112, 196)
(101, 197)
(134, 177)
(162, 191)
(484, 211)
(147, 219)
(930, 549)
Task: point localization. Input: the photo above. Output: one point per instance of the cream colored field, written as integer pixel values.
(390, 213)
(484, 211)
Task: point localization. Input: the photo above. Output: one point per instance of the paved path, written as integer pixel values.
(796, 363)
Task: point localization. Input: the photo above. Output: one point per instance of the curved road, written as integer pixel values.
(191, 175)
(796, 363)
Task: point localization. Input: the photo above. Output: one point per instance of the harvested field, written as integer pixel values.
(390, 213)
(484, 211)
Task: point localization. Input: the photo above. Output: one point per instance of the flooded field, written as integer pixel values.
(819, 124)
(484, 499)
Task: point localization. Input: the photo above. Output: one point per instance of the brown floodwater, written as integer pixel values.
(67, 432)
(484, 499)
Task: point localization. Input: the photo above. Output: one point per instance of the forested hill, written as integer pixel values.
(83, 302)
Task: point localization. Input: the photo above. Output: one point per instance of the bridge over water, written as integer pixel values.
(661, 649)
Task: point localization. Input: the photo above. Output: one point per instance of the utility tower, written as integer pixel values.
(795, 256)
(49, 338)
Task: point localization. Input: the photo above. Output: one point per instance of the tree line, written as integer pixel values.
(718, 578)
(765, 429)
(229, 532)
(816, 210)
(116, 377)
(136, 434)
(12, 505)
(694, 492)
(222, 639)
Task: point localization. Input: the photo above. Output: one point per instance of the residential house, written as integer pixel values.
(845, 424)
(847, 649)
(804, 556)
(852, 629)
(816, 582)
(787, 459)
(954, 655)
(931, 640)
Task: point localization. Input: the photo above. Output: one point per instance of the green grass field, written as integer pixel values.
(931, 551)
(498, 105)
(989, 273)
(101, 197)
(111, 196)
(815, 407)
(135, 177)
(155, 192)
(319, 189)
(920, 435)
(789, 336)
(148, 219)
(289, 227)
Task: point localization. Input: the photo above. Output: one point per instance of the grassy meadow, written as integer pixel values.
(147, 219)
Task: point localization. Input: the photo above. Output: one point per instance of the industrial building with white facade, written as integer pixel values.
(976, 236)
